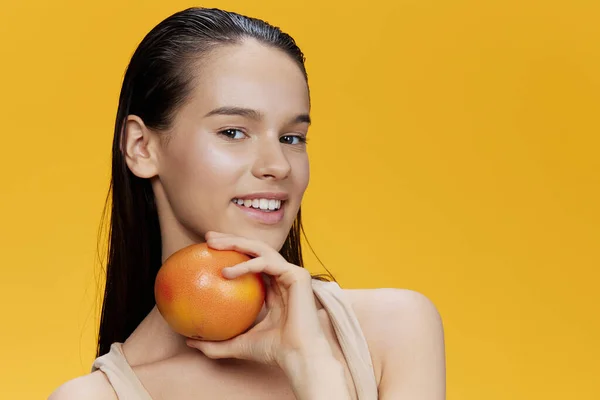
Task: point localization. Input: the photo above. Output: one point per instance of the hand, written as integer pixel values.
(291, 327)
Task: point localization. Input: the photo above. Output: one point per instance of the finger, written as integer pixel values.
(214, 234)
(301, 304)
(289, 276)
(257, 265)
(251, 247)
(214, 350)
(274, 297)
(233, 348)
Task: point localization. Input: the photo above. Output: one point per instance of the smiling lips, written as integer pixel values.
(267, 210)
(260, 204)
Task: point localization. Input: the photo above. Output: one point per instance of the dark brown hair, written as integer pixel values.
(157, 82)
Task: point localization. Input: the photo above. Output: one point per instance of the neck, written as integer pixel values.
(154, 340)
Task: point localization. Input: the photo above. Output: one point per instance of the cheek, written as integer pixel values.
(204, 166)
(217, 167)
(198, 175)
(302, 173)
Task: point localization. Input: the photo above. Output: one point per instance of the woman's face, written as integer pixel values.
(236, 144)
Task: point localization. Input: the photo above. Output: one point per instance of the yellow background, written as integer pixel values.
(454, 152)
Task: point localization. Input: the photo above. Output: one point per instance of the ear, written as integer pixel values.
(139, 146)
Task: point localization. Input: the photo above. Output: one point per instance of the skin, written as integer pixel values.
(206, 161)
(197, 174)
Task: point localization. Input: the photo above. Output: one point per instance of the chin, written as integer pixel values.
(273, 233)
(274, 238)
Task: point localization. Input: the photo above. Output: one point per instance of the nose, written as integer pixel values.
(271, 161)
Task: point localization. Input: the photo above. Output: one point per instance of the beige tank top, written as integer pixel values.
(349, 334)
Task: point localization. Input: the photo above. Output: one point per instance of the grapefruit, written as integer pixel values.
(198, 302)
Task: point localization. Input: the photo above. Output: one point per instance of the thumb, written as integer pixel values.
(233, 348)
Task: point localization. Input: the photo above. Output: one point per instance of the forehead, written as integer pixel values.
(250, 75)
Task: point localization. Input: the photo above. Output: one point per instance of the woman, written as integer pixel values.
(211, 126)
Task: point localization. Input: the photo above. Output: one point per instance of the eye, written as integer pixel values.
(232, 133)
(293, 139)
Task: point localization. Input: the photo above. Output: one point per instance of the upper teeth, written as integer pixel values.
(263, 204)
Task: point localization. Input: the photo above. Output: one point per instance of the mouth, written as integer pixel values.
(265, 205)
(264, 211)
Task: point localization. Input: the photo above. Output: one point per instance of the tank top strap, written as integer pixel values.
(352, 341)
(124, 381)
(350, 336)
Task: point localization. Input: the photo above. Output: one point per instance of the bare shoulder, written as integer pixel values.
(375, 307)
(93, 386)
(397, 324)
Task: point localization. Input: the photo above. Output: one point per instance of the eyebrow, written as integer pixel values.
(252, 114)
